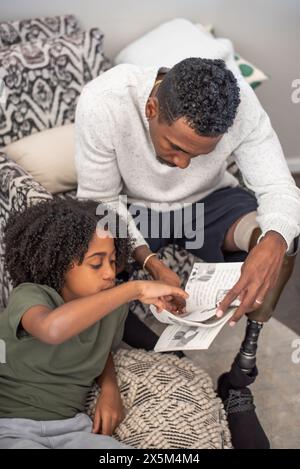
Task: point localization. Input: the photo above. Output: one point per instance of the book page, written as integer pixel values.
(207, 286)
(169, 318)
(164, 316)
(182, 337)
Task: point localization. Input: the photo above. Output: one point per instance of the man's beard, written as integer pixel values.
(162, 161)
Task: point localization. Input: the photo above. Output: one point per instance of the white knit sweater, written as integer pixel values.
(115, 155)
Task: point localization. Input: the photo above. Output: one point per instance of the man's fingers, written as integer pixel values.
(242, 295)
(247, 303)
(260, 297)
(229, 298)
(237, 315)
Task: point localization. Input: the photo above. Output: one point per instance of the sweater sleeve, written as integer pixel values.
(264, 168)
(96, 163)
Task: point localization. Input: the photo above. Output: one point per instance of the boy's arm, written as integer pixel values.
(60, 324)
(109, 408)
(108, 378)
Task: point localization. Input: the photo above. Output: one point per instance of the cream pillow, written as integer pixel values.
(174, 41)
(48, 156)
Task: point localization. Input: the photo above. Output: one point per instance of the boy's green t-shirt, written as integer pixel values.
(50, 382)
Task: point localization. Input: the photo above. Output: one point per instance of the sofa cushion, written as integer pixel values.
(178, 39)
(169, 403)
(252, 74)
(13, 32)
(49, 157)
(174, 41)
(43, 80)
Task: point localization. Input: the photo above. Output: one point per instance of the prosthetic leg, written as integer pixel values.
(245, 427)
(246, 358)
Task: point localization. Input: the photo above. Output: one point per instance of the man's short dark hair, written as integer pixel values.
(203, 91)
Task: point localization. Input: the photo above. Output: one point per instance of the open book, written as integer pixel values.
(207, 286)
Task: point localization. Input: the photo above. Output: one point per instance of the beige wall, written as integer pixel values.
(264, 31)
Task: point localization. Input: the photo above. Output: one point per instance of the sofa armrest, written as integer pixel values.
(18, 190)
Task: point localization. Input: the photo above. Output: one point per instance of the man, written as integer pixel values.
(164, 136)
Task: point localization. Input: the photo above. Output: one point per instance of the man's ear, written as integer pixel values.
(151, 107)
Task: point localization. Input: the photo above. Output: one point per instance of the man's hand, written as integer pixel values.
(259, 274)
(159, 271)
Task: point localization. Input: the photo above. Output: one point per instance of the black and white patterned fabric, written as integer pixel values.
(18, 190)
(43, 80)
(169, 403)
(14, 32)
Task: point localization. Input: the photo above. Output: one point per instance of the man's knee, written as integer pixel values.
(265, 311)
(239, 234)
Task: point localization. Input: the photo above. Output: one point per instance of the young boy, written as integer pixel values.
(64, 317)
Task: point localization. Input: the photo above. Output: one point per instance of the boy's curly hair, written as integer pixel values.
(203, 91)
(44, 241)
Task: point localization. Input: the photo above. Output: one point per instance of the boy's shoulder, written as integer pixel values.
(28, 293)
(33, 288)
(23, 297)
